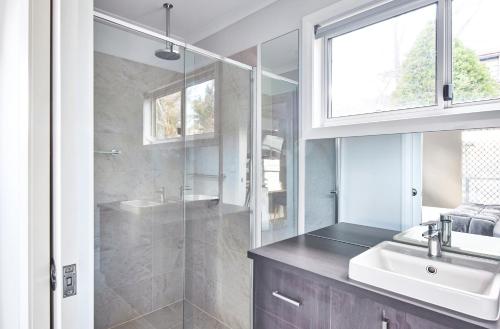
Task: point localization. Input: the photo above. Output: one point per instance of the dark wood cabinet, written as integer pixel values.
(285, 294)
(307, 301)
(349, 310)
(263, 319)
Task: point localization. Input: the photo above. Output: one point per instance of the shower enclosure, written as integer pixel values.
(172, 164)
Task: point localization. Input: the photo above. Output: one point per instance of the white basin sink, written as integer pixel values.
(462, 283)
(140, 203)
(138, 206)
(199, 197)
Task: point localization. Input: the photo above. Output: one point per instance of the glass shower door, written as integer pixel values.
(216, 194)
(172, 221)
(138, 175)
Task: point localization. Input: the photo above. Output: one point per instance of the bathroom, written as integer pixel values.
(236, 165)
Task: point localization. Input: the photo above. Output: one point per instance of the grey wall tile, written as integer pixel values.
(165, 318)
(131, 261)
(168, 288)
(137, 295)
(110, 308)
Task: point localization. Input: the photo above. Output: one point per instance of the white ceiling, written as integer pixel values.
(192, 20)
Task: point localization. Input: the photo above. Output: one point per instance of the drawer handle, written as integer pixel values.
(385, 321)
(286, 299)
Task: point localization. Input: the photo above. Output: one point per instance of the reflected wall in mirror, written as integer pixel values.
(400, 181)
(279, 133)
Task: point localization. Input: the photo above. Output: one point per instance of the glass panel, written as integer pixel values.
(320, 195)
(168, 115)
(217, 213)
(139, 226)
(386, 66)
(476, 50)
(279, 137)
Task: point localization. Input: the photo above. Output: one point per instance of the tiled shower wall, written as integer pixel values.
(139, 257)
(217, 276)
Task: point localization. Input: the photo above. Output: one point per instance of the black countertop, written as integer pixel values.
(360, 235)
(326, 252)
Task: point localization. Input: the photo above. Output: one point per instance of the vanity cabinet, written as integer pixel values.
(281, 293)
(286, 297)
(349, 310)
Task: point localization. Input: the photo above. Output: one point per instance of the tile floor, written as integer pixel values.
(171, 317)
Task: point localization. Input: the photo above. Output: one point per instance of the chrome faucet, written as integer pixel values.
(433, 235)
(163, 196)
(445, 224)
(438, 234)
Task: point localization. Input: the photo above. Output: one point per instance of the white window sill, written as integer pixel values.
(479, 108)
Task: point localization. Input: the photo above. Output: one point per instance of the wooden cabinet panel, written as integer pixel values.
(415, 322)
(358, 312)
(314, 309)
(264, 320)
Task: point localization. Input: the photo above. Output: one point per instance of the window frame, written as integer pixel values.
(149, 113)
(360, 18)
(376, 18)
(149, 107)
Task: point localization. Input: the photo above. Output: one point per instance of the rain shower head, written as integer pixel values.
(171, 51)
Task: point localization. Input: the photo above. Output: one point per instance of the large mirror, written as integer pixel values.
(399, 182)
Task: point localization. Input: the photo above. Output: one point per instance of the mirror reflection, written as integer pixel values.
(411, 183)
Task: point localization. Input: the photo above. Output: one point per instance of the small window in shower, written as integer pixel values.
(167, 116)
(162, 115)
(164, 110)
(200, 104)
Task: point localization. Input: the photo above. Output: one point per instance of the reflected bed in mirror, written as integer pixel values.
(459, 179)
(397, 182)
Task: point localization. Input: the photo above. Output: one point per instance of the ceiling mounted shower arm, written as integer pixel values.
(171, 51)
(168, 7)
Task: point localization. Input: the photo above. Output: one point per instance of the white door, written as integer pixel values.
(411, 178)
(72, 161)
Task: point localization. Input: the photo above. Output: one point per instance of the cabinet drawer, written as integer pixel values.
(264, 320)
(415, 322)
(291, 296)
(354, 311)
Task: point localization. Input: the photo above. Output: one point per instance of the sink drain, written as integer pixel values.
(431, 269)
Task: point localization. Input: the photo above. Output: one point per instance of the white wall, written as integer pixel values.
(14, 121)
(370, 181)
(270, 22)
(24, 164)
(442, 169)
